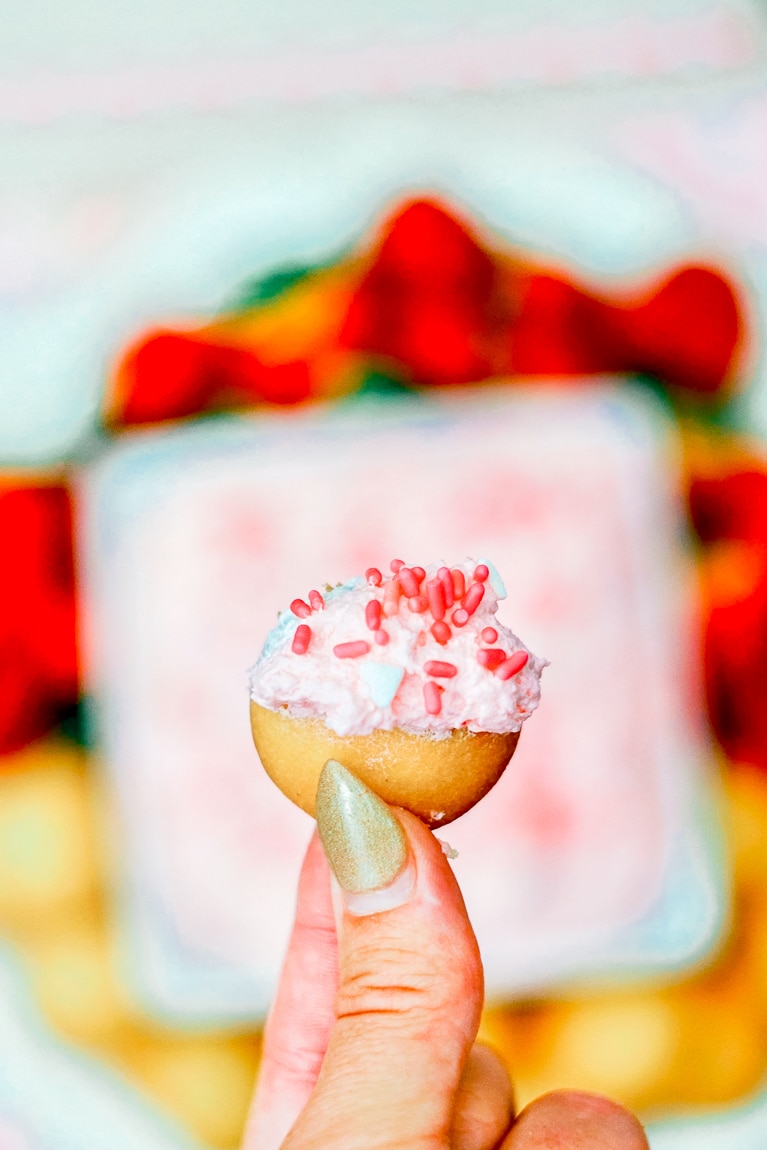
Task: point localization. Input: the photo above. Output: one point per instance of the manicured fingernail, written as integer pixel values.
(364, 842)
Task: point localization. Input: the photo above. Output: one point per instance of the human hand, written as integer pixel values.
(370, 1044)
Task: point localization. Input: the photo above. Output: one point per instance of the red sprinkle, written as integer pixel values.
(418, 603)
(396, 565)
(391, 594)
(489, 635)
(460, 617)
(473, 597)
(435, 593)
(481, 573)
(374, 577)
(491, 657)
(441, 633)
(408, 582)
(447, 585)
(316, 600)
(373, 615)
(439, 669)
(512, 665)
(302, 639)
(381, 638)
(298, 607)
(419, 573)
(459, 583)
(351, 650)
(432, 698)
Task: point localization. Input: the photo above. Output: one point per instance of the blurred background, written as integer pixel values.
(286, 291)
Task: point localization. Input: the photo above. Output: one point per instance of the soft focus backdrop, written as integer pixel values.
(285, 292)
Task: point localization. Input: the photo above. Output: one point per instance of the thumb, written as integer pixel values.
(410, 980)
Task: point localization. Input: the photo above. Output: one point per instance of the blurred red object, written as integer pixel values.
(38, 649)
(172, 375)
(729, 512)
(430, 304)
(439, 305)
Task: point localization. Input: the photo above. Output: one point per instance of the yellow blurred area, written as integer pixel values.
(54, 907)
(697, 1041)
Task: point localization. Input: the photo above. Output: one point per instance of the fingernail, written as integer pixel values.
(364, 842)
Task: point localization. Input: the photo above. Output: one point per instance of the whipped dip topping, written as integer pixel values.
(420, 649)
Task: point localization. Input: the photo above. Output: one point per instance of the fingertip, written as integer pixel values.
(586, 1121)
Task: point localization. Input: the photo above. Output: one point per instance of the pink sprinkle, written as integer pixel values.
(381, 637)
(351, 650)
(481, 573)
(473, 597)
(418, 603)
(447, 585)
(512, 665)
(374, 577)
(441, 633)
(396, 565)
(435, 593)
(459, 583)
(419, 573)
(391, 594)
(316, 600)
(432, 698)
(439, 669)
(489, 635)
(491, 657)
(373, 615)
(298, 607)
(302, 639)
(460, 617)
(408, 582)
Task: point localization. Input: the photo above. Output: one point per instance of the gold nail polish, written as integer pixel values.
(364, 842)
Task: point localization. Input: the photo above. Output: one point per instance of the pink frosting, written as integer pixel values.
(367, 656)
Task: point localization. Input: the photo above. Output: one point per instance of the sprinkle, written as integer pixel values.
(441, 633)
(396, 565)
(495, 580)
(298, 607)
(489, 635)
(481, 572)
(460, 617)
(439, 669)
(391, 594)
(512, 665)
(432, 698)
(447, 585)
(381, 637)
(383, 680)
(373, 615)
(435, 593)
(418, 603)
(459, 583)
(316, 600)
(473, 598)
(419, 573)
(408, 582)
(491, 657)
(374, 577)
(302, 639)
(351, 650)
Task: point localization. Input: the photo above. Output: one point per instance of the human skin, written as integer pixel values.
(370, 1044)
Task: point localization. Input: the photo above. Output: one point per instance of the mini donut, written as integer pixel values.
(409, 680)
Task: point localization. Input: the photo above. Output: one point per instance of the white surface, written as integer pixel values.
(590, 856)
